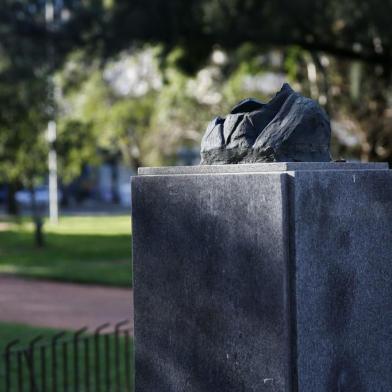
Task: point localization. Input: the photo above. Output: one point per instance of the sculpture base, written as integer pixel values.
(267, 277)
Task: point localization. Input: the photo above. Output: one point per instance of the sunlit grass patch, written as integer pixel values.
(79, 249)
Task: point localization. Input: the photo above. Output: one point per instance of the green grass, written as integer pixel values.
(65, 365)
(78, 249)
(24, 333)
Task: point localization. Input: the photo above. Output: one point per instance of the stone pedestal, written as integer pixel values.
(263, 277)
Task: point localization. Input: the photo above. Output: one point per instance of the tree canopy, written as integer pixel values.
(183, 63)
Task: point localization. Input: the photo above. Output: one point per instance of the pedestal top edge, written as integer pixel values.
(261, 167)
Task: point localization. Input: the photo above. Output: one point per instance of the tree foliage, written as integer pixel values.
(337, 52)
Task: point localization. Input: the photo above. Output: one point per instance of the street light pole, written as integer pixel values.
(51, 131)
(52, 165)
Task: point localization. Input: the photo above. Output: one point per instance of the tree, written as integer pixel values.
(332, 38)
(327, 47)
(28, 58)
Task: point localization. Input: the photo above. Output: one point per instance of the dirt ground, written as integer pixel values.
(62, 305)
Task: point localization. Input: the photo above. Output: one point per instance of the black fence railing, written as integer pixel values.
(101, 361)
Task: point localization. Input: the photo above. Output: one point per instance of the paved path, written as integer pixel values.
(62, 305)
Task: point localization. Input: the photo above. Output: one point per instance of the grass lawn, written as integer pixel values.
(78, 249)
(22, 332)
(106, 361)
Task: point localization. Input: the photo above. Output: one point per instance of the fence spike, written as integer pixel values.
(76, 356)
(29, 354)
(7, 353)
(54, 340)
(97, 334)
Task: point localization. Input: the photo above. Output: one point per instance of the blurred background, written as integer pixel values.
(129, 83)
(92, 89)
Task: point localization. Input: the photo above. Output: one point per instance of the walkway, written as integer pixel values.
(62, 305)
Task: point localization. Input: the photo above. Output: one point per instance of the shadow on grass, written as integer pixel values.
(87, 258)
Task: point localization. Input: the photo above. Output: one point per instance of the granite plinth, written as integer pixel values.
(263, 277)
(343, 280)
(261, 167)
(210, 296)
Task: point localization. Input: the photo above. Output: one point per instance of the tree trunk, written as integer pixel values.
(115, 195)
(12, 205)
(37, 220)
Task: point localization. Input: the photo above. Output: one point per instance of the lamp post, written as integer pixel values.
(52, 166)
(51, 131)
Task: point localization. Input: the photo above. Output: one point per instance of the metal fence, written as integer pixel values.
(100, 361)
